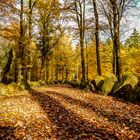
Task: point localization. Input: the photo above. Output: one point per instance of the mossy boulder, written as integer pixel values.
(91, 86)
(125, 89)
(109, 83)
(98, 83)
(75, 84)
(84, 85)
(136, 96)
(42, 83)
(4, 90)
(34, 84)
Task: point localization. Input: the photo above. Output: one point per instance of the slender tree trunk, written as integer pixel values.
(47, 71)
(16, 67)
(30, 19)
(114, 60)
(82, 38)
(82, 59)
(30, 39)
(42, 71)
(118, 55)
(97, 37)
(67, 73)
(7, 67)
(63, 73)
(22, 50)
(80, 8)
(116, 39)
(87, 62)
(56, 72)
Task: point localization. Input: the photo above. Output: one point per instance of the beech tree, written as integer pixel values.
(97, 36)
(77, 11)
(38, 46)
(22, 46)
(114, 11)
(50, 31)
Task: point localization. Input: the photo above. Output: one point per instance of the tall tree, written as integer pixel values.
(22, 48)
(50, 31)
(114, 11)
(133, 40)
(31, 5)
(77, 11)
(97, 37)
(80, 15)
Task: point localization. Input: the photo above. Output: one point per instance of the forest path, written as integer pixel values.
(61, 112)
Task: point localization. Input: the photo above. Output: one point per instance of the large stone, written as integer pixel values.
(136, 96)
(109, 83)
(98, 82)
(125, 89)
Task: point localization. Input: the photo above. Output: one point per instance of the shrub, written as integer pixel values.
(75, 83)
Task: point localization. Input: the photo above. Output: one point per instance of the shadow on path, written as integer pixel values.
(111, 116)
(7, 133)
(67, 125)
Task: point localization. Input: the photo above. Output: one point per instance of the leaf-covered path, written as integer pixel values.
(64, 113)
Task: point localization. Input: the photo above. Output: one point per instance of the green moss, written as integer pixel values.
(127, 79)
(126, 89)
(98, 83)
(109, 83)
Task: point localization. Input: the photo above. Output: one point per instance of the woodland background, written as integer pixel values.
(59, 41)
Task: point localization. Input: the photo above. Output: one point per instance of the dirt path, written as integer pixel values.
(65, 113)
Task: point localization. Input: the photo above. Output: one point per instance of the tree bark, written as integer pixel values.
(97, 37)
(7, 67)
(82, 59)
(80, 14)
(114, 60)
(47, 71)
(116, 41)
(22, 50)
(87, 64)
(67, 73)
(30, 39)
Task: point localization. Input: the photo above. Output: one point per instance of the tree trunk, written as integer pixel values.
(47, 71)
(114, 60)
(116, 39)
(22, 50)
(63, 73)
(7, 67)
(80, 8)
(82, 58)
(82, 38)
(56, 72)
(30, 39)
(42, 71)
(16, 67)
(67, 73)
(87, 62)
(97, 37)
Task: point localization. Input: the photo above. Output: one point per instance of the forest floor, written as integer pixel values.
(60, 112)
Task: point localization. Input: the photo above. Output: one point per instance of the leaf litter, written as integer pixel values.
(65, 113)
